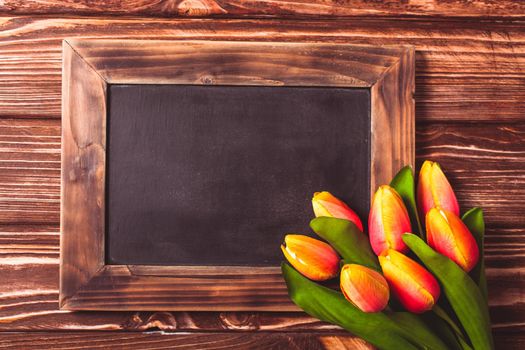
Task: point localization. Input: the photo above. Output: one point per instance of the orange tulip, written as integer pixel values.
(388, 220)
(433, 190)
(448, 235)
(325, 204)
(313, 258)
(365, 288)
(415, 287)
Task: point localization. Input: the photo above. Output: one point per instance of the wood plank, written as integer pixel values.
(269, 8)
(509, 340)
(29, 298)
(465, 70)
(29, 171)
(83, 179)
(239, 63)
(163, 340)
(393, 123)
(485, 164)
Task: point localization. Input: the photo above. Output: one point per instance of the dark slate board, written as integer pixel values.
(216, 175)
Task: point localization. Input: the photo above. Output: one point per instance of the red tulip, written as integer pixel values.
(325, 204)
(365, 288)
(388, 221)
(448, 235)
(415, 287)
(434, 190)
(313, 258)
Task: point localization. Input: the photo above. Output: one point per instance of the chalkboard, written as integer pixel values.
(216, 175)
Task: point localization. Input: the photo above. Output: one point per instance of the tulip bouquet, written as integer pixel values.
(415, 281)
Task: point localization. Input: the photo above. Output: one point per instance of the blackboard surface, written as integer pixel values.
(216, 175)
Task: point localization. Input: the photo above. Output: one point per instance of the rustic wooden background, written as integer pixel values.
(470, 105)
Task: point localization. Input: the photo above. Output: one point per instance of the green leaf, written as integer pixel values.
(475, 223)
(405, 185)
(443, 331)
(352, 244)
(403, 331)
(461, 291)
(427, 327)
(439, 312)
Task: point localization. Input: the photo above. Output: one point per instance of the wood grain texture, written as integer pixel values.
(29, 299)
(269, 8)
(484, 163)
(29, 171)
(90, 65)
(82, 203)
(163, 340)
(465, 70)
(126, 287)
(392, 119)
(238, 63)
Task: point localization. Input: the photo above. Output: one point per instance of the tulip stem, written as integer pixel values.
(445, 317)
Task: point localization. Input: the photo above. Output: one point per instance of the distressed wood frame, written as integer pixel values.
(90, 65)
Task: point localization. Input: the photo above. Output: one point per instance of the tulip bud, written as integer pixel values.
(448, 235)
(325, 204)
(388, 221)
(415, 287)
(434, 190)
(365, 288)
(313, 258)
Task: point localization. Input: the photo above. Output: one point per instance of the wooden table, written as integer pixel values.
(470, 107)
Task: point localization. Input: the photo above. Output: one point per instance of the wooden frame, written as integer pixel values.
(90, 65)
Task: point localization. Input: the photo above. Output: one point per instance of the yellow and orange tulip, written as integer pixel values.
(388, 220)
(325, 204)
(414, 287)
(433, 190)
(313, 258)
(448, 235)
(365, 288)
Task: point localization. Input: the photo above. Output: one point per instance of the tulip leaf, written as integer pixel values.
(405, 186)
(439, 312)
(461, 291)
(476, 225)
(344, 236)
(443, 331)
(424, 323)
(401, 331)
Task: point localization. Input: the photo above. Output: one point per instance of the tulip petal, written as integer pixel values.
(313, 258)
(364, 287)
(442, 191)
(448, 235)
(434, 190)
(425, 198)
(404, 184)
(325, 204)
(415, 287)
(388, 221)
